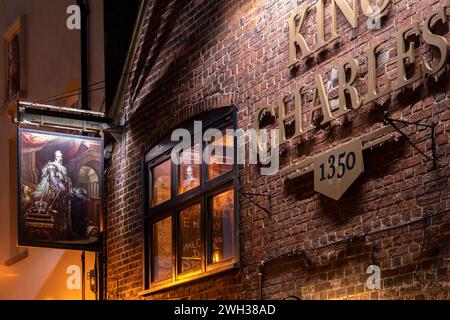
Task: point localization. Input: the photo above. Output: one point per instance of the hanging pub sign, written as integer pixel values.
(60, 182)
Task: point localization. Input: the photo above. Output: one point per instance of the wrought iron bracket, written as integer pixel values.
(42, 115)
(117, 133)
(250, 196)
(393, 123)
(59, 117)
(299, 253)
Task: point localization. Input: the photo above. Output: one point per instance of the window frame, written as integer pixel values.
(219, 118)
(150, 244)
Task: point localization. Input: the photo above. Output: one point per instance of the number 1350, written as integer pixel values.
(337, 166)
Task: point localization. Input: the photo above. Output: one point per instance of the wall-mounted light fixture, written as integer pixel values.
(92, 277)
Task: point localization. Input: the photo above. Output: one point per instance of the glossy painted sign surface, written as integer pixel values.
(60, 190)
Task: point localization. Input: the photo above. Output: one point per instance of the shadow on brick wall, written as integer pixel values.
(184, 49)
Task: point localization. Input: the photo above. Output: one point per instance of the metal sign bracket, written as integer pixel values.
(393, 123)
(58, 117)
(250, 197)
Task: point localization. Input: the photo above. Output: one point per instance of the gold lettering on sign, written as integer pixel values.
(296, 114)
(403, 54)
(295, 37)
(407, 68)
(372, 94)
(346, 86)
(367, 10)
(320, 15)
(350, 14)
(298, 94)
(436, 41)
(324, 105)
(261, 111)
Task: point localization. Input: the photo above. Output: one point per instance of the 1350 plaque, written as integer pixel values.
(336, 170)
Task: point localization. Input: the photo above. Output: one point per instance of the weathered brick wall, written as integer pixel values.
(204, 54)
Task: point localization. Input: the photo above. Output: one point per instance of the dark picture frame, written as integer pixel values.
(15, 52)
(60, 190)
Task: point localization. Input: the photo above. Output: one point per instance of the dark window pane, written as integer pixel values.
(190, 239)
(222, 155)
(222, 227)
(161, 183)
(190, 169)
(162, 250)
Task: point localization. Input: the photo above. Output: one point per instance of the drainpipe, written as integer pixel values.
(84, 35)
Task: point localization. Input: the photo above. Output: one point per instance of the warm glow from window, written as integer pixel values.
(190, 169)
(222, 226)
(161, 183)
(221, 162)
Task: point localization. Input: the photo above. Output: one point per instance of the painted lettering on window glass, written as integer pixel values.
(190, 245)
(222, 227)
(162, 250)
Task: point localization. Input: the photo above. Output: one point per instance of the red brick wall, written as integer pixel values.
(205, 54)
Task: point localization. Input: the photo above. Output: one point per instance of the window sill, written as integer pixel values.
(172, 285)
